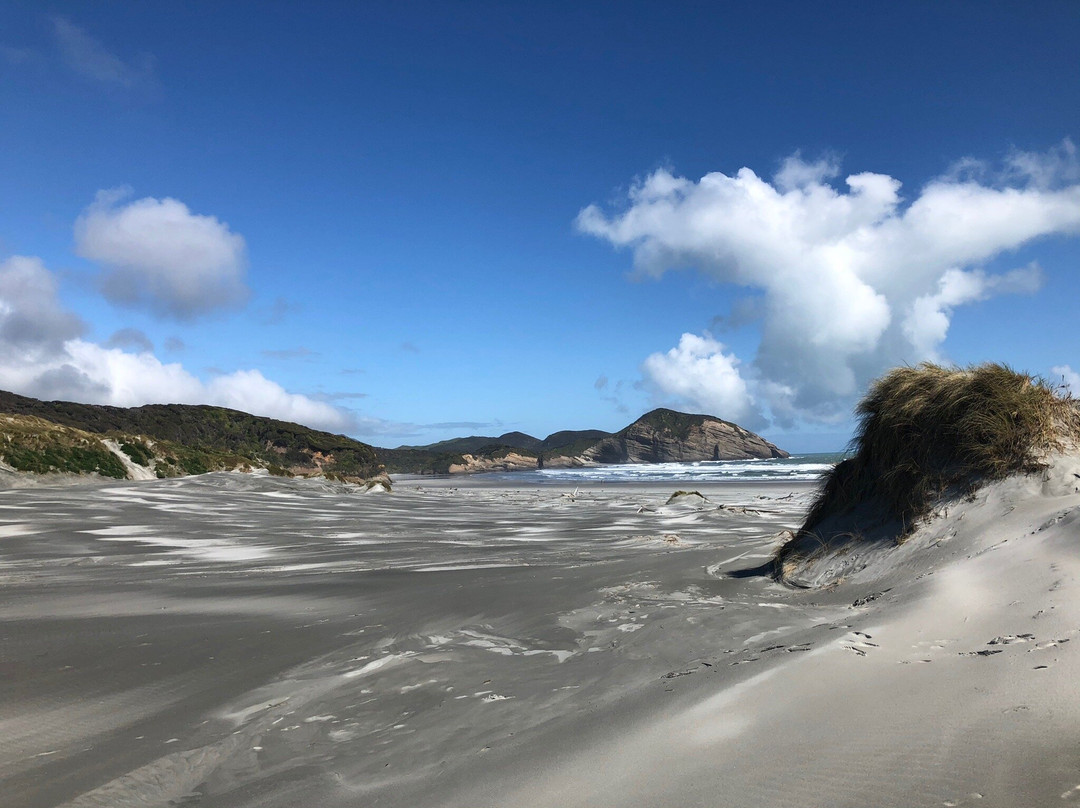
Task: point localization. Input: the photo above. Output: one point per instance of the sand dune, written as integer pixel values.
(246, 641)
(950, 681)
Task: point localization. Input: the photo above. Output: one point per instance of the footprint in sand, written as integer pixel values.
(858, 642)
(744, 661)
(1006, 639)
(1009, 639)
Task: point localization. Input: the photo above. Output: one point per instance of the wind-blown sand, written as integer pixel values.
(239, 640)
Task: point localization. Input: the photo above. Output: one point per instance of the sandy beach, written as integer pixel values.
(241, 640)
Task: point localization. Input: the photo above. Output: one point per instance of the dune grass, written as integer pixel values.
(928, 431)
(38, 446)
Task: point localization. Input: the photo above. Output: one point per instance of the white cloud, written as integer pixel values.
(1069, 377)
(927, 323)
(797, 173)
(851, 281)
(698, 372)
(159, 255)
(90, 59)
(1045, 169)
(31, 318)
(250, 391)
(41, 355)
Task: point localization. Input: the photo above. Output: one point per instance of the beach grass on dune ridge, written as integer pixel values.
(928, 431)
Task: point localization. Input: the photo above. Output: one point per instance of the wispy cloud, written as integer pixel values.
(290, 353)
(130, 339)
(89, 58)
(340, 396)
(612, 393)
(387, 432)
(464, 425)
(278, 311)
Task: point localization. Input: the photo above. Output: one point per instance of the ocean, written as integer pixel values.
(796, 467)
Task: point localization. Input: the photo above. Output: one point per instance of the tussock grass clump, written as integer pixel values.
(928, 431)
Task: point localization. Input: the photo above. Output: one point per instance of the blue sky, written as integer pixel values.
(408, 221)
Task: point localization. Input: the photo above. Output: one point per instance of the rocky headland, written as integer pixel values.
(666, 436)
(659, 436)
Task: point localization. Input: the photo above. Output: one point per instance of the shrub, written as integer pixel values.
(137, 451)
(68, 459)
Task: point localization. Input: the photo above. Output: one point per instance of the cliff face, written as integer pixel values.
(509, 461)
(666, 436)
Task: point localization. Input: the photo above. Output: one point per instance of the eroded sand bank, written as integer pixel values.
(233, 640)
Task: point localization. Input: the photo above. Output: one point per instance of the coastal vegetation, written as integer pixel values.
(676, 424)
(138, 451)
(34, 445)
(928, 433)
(423, 460)
(171, 440)
(206, 428)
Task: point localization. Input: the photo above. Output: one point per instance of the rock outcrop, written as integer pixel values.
(660, 436)
(508, 461)
(666, 436)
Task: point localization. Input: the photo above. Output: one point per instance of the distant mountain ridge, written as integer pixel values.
(517, 440)
(659, 436)
(170, 440)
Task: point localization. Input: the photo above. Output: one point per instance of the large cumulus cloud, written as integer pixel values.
(852, 278)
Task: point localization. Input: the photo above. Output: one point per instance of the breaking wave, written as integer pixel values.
(798, 467)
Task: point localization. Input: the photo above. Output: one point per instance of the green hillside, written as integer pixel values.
(436, 458)
(676, 424)
(198, 438)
